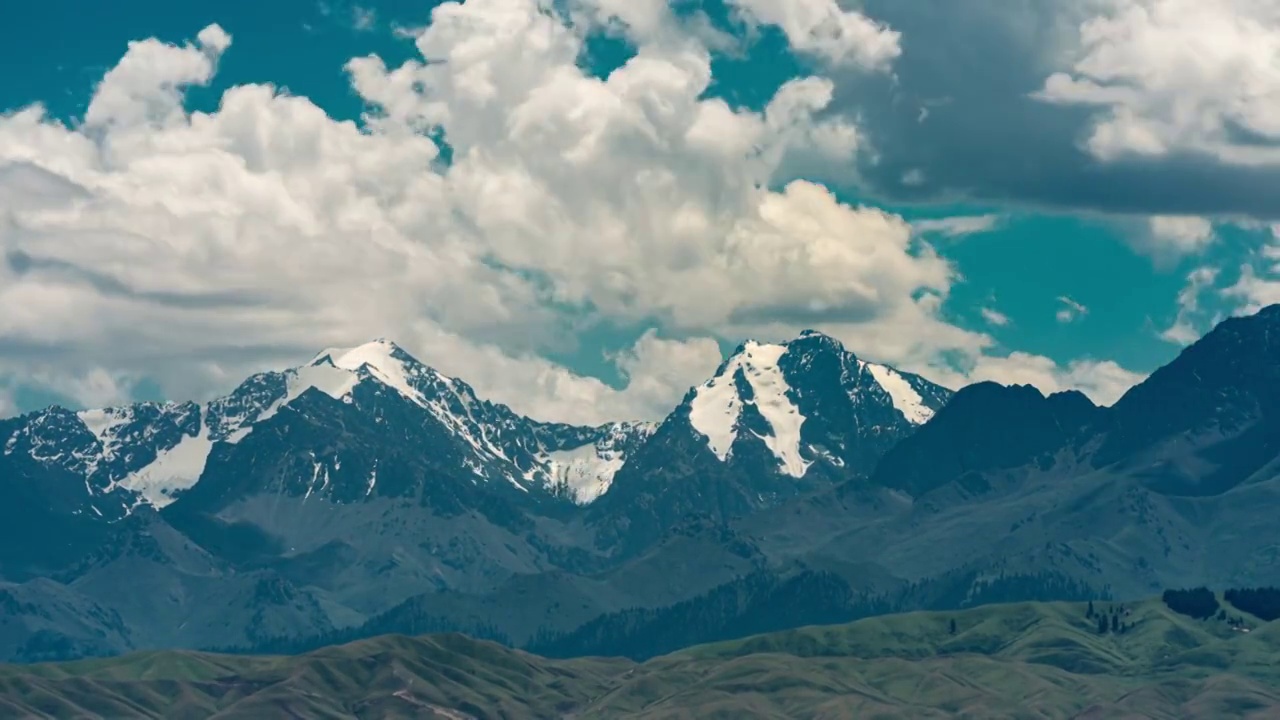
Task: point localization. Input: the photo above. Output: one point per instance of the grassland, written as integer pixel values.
(1031, 660)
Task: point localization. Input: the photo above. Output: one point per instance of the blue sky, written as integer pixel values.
(1065, 225)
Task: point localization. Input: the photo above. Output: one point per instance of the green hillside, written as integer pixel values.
(1031, 660)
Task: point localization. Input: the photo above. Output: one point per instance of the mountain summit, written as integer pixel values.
(293, 431)
(770, 392)
(776, 420)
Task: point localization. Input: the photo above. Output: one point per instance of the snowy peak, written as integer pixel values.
(496, 443)
(751, 378)
(118, 459)
(382, 359)
(337, 371)
(808, 400)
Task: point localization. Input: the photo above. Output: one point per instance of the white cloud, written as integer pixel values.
(161, 234)
(822, 28)
(1254, 291)
(1182, 234)
(1259, 282)
(1070, 310)
(1103, 381)
(658, 372)
(1185, 328)
(1167, 239)
(958, 226)
(995, 317)
(94, 387)
(192, 248)
(146, 85)
(1171, 76)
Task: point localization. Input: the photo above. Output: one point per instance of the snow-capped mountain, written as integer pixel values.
(105, 462)
(809, 400)
(776, 420)
(370, 421)
(150, 453)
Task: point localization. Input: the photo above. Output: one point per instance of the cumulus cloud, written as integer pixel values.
(822, 28)
(1170, 76)
(266, 229)
(190, 248)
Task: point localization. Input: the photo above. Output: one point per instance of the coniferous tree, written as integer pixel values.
(952, 627)
(1089, 613)
(1263, 602)
(1199, 603)
(1115, 623)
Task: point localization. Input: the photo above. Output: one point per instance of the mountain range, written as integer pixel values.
(364, 491)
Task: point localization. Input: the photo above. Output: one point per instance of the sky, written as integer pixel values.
(579, 206)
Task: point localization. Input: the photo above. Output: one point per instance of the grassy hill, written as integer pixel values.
(1030, 660)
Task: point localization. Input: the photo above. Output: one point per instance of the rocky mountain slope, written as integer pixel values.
(775, 422)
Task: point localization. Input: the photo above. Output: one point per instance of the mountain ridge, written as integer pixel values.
(151, 452)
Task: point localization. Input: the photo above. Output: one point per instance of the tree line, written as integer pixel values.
(1201, 603)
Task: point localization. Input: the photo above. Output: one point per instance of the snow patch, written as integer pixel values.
(586, 472)
(173, 470)
(715, 410)
(905, 398)
(332, 381)
(379, 357)
(717, 407)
